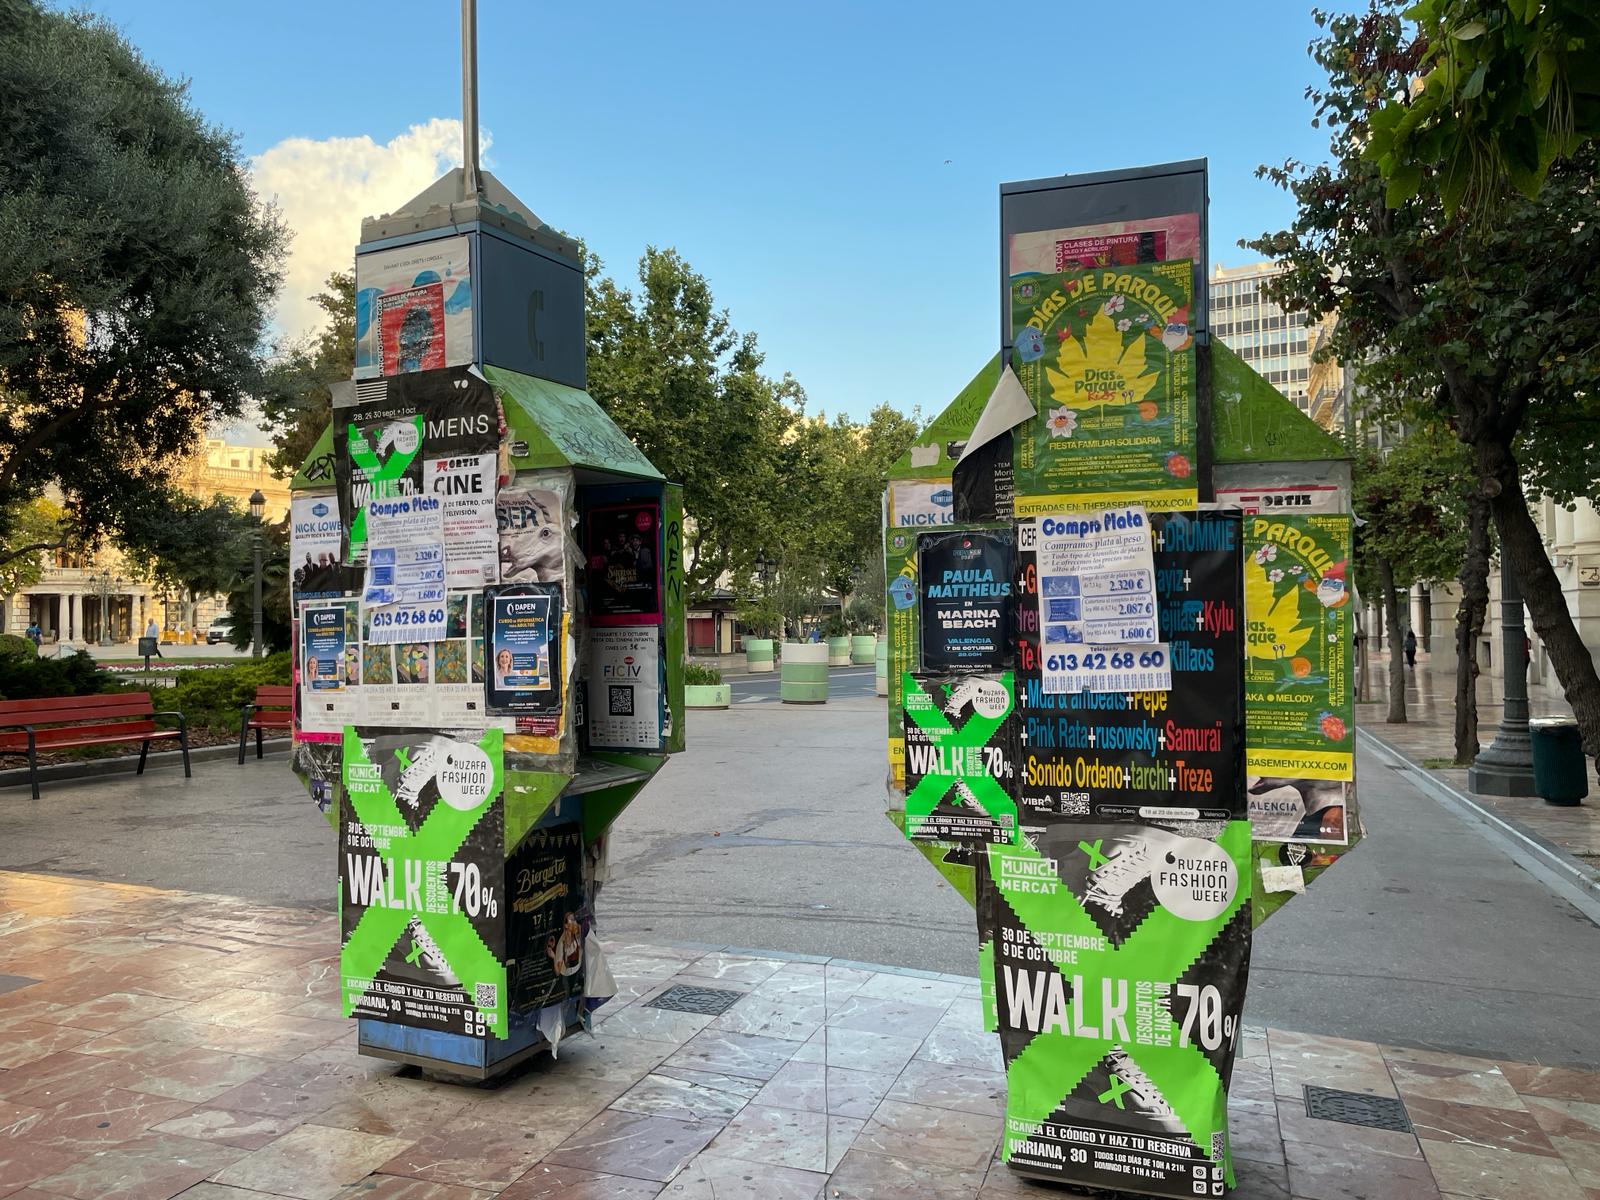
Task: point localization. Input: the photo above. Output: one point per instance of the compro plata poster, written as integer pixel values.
(422, 876)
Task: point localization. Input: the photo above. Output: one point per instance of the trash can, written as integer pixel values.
(1560, 771)
(803, 677)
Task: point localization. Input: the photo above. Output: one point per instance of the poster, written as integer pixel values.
(902, 632)
(458, 667)
(1110, 243)
(326, 708)
(1146, 754)
(1107, 358)
(403, 599)
(414, 307)
(1096, 602)
(524, 669)
(545, 890)
(385, 429)
(919, 504)
(316, 548)
(624, 574)
(1299, 699)
(532, 533)
(966, 599)
(960, 755)
(422, 879)
(1119, 961)
(1299, 810)
(1284, 498)
(465, 487)
(624, 710)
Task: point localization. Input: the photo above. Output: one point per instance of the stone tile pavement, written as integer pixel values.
(1428, 736)
(157, 1044)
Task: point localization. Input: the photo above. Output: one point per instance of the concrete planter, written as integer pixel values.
(707, 695)
(804, 677)
(758, 654)
(838, 652)
(880, 681)
(862, 646)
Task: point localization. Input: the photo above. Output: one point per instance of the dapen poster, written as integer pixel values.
(524, 644)
(966, 598)
(621, 543)
(422, 879)
(1119, 961)
(414, 307)
(1299, 696)
(960, 748)
(1107, 357)
(329, 669)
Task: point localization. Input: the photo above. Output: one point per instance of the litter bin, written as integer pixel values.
(1560, 771)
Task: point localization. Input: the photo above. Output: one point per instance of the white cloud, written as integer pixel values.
(324, 188)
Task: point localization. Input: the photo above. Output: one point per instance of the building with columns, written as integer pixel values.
(94, 599)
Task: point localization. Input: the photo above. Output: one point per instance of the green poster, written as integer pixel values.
(1107, 358)
(1299, 701)
(961, 753)
(421, 880)
(903, 628)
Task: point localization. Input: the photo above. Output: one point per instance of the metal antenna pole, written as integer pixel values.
(469, 98)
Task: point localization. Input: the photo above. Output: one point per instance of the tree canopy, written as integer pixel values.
(136, 270)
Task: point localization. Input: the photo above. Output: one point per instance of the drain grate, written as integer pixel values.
(1357, 1108)
(711, 1002)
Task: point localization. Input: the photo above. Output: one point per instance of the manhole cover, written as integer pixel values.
(711, 1002)
(1357, 1108)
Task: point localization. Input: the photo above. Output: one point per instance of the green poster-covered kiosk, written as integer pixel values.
(1120, 715)
(487, 580)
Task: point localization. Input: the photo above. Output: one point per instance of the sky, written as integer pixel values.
(831, 168)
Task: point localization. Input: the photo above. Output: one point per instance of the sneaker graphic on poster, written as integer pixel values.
(416, 776)
(425, 952)
(1127, 867)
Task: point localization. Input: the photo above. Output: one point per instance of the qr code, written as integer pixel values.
(486, 995)
(1219, 1145)
(621, 700)
(1075, 804)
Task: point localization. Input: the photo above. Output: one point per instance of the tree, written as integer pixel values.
(1491, 320)
(1507, 88)
(296, 389)
(194, 547)
(136, 270)
(276, 633)
(32, 529)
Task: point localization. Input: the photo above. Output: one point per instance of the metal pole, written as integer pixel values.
(469, 98)
(255, 632)
(1506, 767)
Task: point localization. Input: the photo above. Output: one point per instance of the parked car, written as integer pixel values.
(220, 630)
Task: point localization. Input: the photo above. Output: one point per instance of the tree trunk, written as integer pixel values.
(1474, 579)
(1425, 599)
(1397, 663)
(1522, 545)
(1377, 620)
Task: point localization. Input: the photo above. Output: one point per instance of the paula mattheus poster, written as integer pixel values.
(966, 598)
(1107, 357)
(422, 878)
(1299, 697)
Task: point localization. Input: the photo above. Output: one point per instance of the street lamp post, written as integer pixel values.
(764, 567)
(105, 586)
(1506, 767)
(258, 508)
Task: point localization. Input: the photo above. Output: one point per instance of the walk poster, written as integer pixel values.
(525, 669)
(960, 748)
(1107, 357)
(966, 598)
(422, 878)
(1299, 688)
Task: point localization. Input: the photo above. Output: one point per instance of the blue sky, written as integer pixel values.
(832, 168)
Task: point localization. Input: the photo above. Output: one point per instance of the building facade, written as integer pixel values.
(1275, 343)
(95, 599)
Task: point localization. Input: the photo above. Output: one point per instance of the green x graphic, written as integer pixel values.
(1096, 857)
(434, 844)
(922, 710)
(381, 475)
(1113, 1094)
(1160, 950)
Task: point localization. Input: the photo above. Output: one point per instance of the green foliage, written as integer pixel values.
(26, 677)
(864, 613)
(1508, 87)
(1414, 502)
(296, 388)
(698, 675)
(276, 633)
(15, 646)
(191, 546)
(834, 626)
(761, 616)
(27, 531)
(212, 698)
(136, 270)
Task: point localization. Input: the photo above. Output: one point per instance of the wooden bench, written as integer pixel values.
(65, 722)
(273, 708)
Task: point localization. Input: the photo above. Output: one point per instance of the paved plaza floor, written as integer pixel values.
(156, 1044)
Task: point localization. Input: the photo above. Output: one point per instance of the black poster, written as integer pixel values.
(544, 885)
(966, 598)
(1128, 756)
(983, 485)
(621, 546)
(961, 746)
(524, 671)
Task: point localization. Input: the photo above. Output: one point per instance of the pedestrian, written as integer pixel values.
(1411, 648)
(34, 634)
(153, 632)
